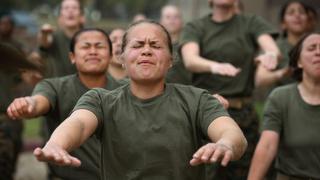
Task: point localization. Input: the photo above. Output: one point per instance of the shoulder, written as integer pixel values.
(200, 22)
(283, 92)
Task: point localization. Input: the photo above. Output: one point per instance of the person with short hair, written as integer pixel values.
(54, 98)
(148, 129)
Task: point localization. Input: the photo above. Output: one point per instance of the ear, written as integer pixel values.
(72, 58)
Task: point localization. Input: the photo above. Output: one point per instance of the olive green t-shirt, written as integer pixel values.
(63, 94)
(178, 72)
(298, 124)
(233, 41)
(285, 49)
(57, 55)
(154, 138)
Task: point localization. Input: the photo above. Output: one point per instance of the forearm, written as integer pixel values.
(73, 131)
(261, 162)
(225, 131)
(68, 134)
(197, 64)
(265, 78)
(268, 45)
(41, 105)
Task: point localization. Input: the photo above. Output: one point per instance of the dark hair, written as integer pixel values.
(125, 36)
(77, 34)
(285, 6)
(295, 56)
(80, 6)
(10, 18)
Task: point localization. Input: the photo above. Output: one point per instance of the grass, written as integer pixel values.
(32, 128)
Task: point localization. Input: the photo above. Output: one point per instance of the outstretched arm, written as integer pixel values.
(70, 134)
(195, 63)
(28, 107)
(230, 143)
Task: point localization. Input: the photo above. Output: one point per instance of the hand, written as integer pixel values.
(46, 29)
(224, 69)
(268, 60)
(54, 154)
(222, 100)
(21, 108)
(212, 152)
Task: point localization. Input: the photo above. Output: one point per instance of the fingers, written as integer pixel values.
(269, 62)
(222, 100)
(20, 108)
(56, 156)
(225, 69)
(211, 153)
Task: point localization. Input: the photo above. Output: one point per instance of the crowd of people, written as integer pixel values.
(167, 99)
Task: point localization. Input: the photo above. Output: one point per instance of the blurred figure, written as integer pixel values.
(312, 19)
(220, 50)
(139, 17)
(90, 51)
(54, 45)
(291, 109)
(116, 68)
(13, 62)
(294, 24)
(7, 26)
(171, 19)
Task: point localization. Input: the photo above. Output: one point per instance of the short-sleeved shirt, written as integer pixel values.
(63, 94)
(57, 55)
(298, 124)
(233, 41)
(153, 138)
(178, 72)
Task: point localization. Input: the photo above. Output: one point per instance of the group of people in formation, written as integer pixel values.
(168, 100)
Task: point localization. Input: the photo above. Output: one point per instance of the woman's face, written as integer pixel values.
(295, 19)
(146, 54)
(309, 60)
(116, 40)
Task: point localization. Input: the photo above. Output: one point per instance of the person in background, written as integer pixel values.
(90, 51)
(171, 19)
(148, 129)
(291, 120)
(220, 49)
(54, 44)
(116, 68)
(7, 26)
(139, 17)
(294, 24)
(13, 63)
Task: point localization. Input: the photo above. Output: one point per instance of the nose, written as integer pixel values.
(146, 51)
(93, 50)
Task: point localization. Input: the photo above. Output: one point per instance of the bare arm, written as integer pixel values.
(45, 36)
(230, 143)
(28, 107)
(265, 152)
(265, 78)
(195, 63)
(70, 134)
(269, 59)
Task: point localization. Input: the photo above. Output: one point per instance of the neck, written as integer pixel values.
(117, 71)
(70, 31)
(310, 91)
(93, 81)
(146, 91)
(221, 14)
(293, 38)
(175, 37)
